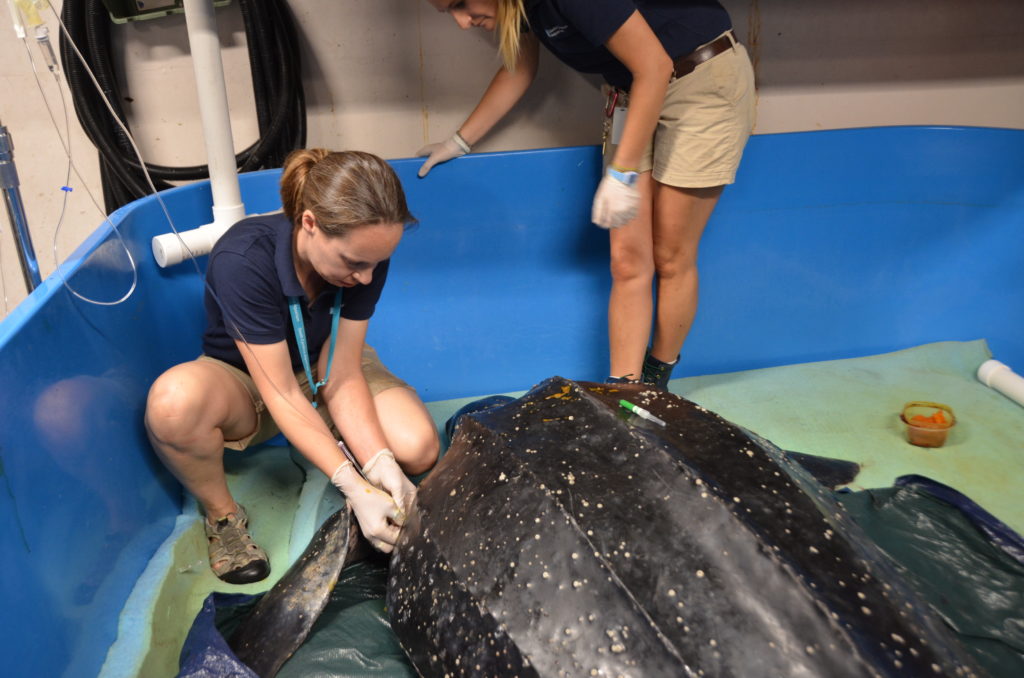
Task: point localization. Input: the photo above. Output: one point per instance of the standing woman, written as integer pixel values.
(289, 296)
(689, 88)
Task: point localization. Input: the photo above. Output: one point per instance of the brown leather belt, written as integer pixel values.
(684, 65)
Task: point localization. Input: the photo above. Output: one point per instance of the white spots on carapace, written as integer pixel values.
(828, 534)
(571, 479)
(866, 610)
(713, 643)
(809, 649)
(577, 583)
(452, 493)
(812, 550)
(860, 594)
(898, 638)
(700, 573)
(671, 593)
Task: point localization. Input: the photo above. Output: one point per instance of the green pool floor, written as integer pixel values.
(846, 409)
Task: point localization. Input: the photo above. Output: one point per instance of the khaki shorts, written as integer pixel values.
(377, 376)
(704, 124)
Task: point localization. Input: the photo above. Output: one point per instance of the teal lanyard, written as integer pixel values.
(295, 307)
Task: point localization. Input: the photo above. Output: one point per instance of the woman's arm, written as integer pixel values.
(347, 394)
(354, 412)
(271, 369)
(638, 48)
(377, 512)
(506, 88)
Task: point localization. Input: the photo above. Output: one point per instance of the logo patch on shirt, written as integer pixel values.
(555, 31)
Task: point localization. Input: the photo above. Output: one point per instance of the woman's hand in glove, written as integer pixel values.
(379, 516)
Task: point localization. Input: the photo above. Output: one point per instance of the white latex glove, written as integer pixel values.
(379, 516)
(443, 151)
(384, 472)
(615, 203)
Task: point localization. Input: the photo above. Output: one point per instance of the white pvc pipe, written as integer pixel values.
(1000, 377)
(204, 43)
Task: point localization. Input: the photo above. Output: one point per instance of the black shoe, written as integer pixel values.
(625, 379)
(656, 372)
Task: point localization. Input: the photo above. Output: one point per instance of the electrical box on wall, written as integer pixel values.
(122, 11)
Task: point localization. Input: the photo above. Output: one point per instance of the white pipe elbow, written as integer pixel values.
(173, 248)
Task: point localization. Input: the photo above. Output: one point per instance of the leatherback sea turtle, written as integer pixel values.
(563, 535)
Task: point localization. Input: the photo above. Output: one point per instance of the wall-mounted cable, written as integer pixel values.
(277, 87)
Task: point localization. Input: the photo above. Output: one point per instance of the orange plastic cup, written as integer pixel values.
(927, 423)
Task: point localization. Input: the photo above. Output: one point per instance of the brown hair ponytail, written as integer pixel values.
(344, 190)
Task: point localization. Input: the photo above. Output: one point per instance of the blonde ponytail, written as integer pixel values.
(510, 21)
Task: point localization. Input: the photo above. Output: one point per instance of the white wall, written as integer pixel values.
(388, 75)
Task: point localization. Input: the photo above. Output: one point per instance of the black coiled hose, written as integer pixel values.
(277, 87)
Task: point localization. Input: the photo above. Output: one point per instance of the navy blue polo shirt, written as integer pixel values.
(252, 272)
(576, 30)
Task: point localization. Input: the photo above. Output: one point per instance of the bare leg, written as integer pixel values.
(680, 215)
(192, 409)
(409, 429)
(630, 304)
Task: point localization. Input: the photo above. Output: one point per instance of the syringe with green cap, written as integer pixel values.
(641, 412)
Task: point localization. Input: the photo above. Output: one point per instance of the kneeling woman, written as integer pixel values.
(288, 299)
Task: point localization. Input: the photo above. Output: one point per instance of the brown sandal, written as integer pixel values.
(234, 556)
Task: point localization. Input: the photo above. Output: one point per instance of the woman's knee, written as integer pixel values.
(630, 266)
(417, 448)
(409, 429)
(174, 407)
(673, 261)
